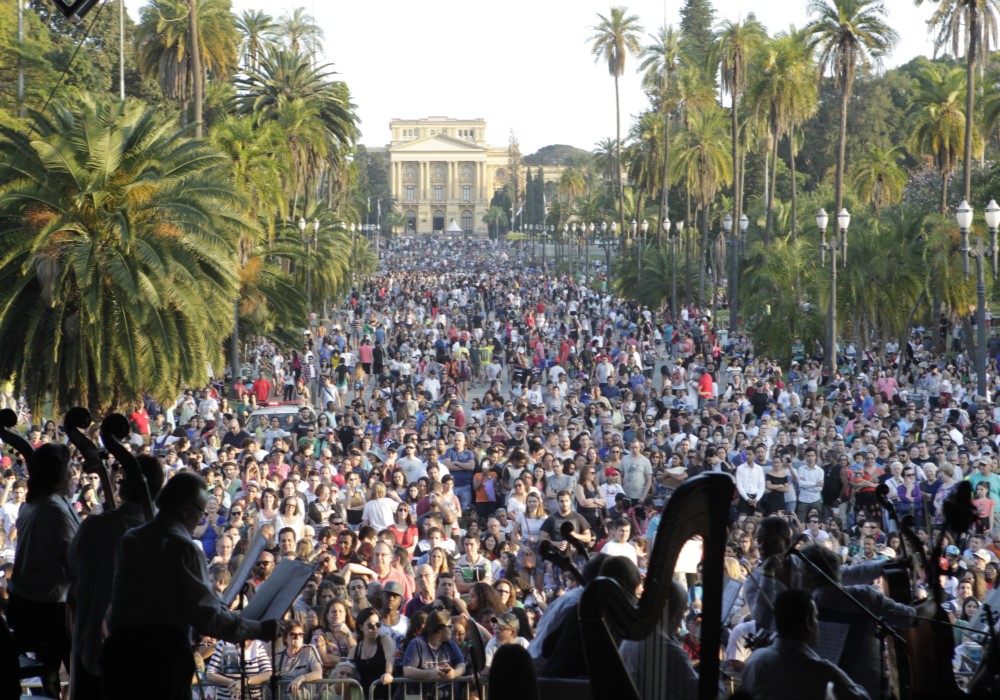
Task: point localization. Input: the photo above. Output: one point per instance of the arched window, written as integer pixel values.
(467, 221)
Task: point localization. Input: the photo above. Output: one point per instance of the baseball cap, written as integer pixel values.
(610, 472)
(982, 554)
(952, 549)
(393, 587)
(507, 620)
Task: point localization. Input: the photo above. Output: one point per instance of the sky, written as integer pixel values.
(524, 65)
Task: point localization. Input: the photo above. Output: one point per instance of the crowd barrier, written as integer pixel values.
(461, 688)
(324, 689)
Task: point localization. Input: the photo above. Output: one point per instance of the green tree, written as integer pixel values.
(166, 52)
(783, 94)
(300, 31)
(878, 178)
(703, 163)
(938, 122)
(972, 24)
(660, 65)
(256, 28)
(697, 20)
(849, 35)
(615, 37)
(118, 262)
(735, 43)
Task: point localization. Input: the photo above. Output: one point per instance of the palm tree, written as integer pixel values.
(182, 41)
(660, 65)
(703, 163)
(937, 124)
(784, 93)
(616, 36)
(118, 270)
(257, 28)
(878, 178)
(972, 23)
(496, 217)
(300, 31)
(849, 34)
(735, 43)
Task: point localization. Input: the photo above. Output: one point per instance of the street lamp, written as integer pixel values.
(992, 223)
(979, 250)
(727, 226)
(838, 242)
(315, 248)
(586, 251)
(964, 218)
(302, 233)
(673, 268)
(645, 229)
(734, 304)
(354, 254)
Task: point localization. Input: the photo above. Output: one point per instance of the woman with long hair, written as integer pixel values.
(290, 515)
(483, 595)
(528, 526)
(374, 653)
(268, 509)
(589, 502)
(404, 530)
(439, 561)
(354, 499)
(335, 638)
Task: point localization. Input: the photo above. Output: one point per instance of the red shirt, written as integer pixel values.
(141, 418)
(262, 390)
(705, 386)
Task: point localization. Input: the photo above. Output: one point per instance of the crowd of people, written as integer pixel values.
(461, 410)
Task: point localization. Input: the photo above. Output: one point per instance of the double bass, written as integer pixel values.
(75, 424)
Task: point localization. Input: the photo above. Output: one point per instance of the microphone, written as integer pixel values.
(882, 490)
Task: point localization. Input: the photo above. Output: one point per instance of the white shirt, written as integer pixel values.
(810, 483)
(750, 480)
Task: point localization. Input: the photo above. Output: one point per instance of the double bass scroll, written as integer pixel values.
(76, 421)
(114, 429)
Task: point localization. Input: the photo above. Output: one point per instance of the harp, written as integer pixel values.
(699, 507)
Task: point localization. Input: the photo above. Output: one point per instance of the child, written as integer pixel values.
(984, 507)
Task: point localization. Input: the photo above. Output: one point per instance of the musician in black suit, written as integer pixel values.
(160, 593)
(92, 561)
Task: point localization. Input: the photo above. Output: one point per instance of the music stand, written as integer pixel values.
(242, 574)
(276, 595)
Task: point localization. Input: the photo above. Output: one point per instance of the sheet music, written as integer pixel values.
(993, 600)
(246, 567)
(831, 640)
(277, 594)
(731, 589)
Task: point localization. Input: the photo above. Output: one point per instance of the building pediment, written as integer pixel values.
(438, 143)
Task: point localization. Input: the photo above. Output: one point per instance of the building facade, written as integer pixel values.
(442, 169)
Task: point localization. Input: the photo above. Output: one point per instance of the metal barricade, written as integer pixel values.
(324, 689)
(461, 688)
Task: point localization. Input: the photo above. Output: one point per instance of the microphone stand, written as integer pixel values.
(882, 628)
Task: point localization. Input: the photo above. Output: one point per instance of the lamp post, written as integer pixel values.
(354, 254)
(741, 239)
(541, 235)
(642, 244)
(837, 242)
(315, 227)
(727, 226)
(673, 268)
(979, 250)
(309, 297)
(586, 251)
(613, 240)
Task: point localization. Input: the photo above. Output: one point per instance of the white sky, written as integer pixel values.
(521, 64)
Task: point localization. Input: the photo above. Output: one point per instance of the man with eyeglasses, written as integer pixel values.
(160, 562)
(426, 582)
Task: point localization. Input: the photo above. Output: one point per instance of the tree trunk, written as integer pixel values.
(687, 252)
(841, 146)
(970, 95)
(791, 162)
(234, 350)
(703, 256)
(665, 201)
(944, 193)
(196, 69)
(618, 161)
(769, 220)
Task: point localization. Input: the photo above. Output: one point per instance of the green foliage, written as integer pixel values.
(697, 20)
(118, 234)
(558, 154)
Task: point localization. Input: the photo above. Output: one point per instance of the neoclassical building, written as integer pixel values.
(443, 169)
